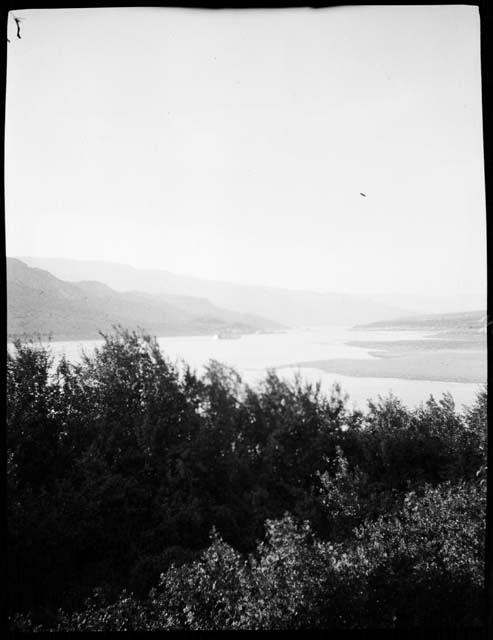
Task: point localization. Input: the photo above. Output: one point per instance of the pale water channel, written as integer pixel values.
(252, 355)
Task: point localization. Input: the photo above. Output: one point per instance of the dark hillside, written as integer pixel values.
(38, 302)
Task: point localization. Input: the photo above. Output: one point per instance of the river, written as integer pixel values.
(252, 355)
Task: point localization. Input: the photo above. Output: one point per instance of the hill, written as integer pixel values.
(284, 306)
(38, 302)
(468, 322)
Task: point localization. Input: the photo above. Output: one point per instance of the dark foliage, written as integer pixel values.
(120, 467)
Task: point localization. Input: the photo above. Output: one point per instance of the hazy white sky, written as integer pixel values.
(234, 145)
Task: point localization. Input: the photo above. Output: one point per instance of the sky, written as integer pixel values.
(235, 145)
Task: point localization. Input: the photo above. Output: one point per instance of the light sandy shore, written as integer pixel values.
(386, 349)
(440, 365)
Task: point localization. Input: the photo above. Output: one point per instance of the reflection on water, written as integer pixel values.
(253, 354)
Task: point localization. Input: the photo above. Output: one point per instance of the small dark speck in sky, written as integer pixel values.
(363, 194)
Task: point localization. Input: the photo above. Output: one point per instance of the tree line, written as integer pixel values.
(143, 495)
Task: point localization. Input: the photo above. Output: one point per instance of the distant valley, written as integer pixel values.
(75, 299)
(452, 347)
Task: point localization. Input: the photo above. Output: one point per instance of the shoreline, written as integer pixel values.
(434, 366)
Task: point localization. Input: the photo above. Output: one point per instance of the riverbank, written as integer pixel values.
(434, 365)
(452, 349)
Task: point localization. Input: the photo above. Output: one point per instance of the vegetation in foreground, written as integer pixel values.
(143, 496)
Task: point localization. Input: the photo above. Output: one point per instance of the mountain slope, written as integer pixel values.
(281, 305)
(464, 321)
(38, 302)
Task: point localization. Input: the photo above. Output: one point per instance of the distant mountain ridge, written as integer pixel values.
(434, 304)
(470, 321)
(40, 303)
(289, 307)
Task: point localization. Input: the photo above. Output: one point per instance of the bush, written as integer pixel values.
(119, 467)
(422, 567)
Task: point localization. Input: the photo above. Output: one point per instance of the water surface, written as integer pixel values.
(252, 355)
